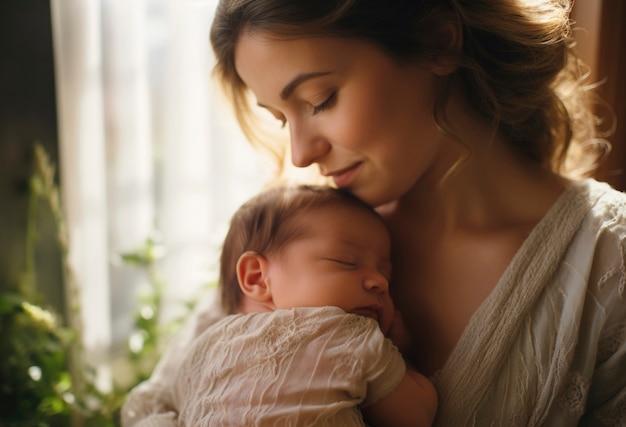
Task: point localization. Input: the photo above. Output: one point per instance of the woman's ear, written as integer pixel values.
(448, 37)
(252, 276)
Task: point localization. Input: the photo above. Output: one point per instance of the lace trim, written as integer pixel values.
(610, 341)
(574, 395)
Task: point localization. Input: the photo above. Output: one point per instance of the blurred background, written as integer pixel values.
(147, 153)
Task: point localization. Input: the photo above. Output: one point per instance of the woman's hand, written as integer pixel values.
(399, 334)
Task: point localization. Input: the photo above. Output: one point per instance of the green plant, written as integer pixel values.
(37, 386)
(45, 379)
(34, 370)
(150, 334)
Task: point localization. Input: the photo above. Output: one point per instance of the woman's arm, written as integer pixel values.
(399, 334)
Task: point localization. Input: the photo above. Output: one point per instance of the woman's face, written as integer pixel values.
(362, 117)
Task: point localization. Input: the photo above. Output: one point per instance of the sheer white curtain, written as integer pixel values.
(148, 148)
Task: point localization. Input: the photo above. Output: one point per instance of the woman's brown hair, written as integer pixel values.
(517, 62)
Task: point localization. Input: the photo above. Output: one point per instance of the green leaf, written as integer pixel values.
(10, 302)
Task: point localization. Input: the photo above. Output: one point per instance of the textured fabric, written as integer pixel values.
(300, 367)
(150, 403)
(548, 346)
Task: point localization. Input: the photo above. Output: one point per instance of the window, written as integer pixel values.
(148, 149)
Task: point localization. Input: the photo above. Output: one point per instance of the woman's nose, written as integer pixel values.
(307, 146)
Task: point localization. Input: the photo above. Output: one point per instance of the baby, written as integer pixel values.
(304, 275)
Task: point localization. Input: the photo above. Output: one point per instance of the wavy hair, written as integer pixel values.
(517, 63)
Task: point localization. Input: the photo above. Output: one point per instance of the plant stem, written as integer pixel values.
(50, 193)
(29, 278)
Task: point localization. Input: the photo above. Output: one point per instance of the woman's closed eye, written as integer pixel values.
(328, 103)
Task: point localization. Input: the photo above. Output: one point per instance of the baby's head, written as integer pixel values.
(307, 246)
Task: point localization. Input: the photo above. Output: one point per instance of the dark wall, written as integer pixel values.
(612, 67)
(27, 115)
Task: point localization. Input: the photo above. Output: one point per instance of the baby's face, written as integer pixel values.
(344, 261)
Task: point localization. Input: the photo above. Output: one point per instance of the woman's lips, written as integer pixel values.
(344, 177)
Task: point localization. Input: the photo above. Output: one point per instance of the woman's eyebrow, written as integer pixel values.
(299, 79)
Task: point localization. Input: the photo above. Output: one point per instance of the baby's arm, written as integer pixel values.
(412, 403)
(151, 403)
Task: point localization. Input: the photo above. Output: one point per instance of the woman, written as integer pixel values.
(465, 123)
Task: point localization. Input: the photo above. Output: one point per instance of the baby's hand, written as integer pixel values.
(399, 334)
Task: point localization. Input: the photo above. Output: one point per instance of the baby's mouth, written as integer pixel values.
(372, 312)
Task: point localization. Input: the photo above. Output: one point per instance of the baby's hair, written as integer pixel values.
(517, 64)
(268, 222)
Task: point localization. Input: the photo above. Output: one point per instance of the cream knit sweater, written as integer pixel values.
(547, 347)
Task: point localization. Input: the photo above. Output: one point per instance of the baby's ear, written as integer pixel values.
(252, 276)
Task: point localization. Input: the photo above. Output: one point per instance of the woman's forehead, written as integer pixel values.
(268, 65)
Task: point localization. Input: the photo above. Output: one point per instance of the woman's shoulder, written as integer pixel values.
(603, 235)
(584, 238)
(604, 197)
(606, 205)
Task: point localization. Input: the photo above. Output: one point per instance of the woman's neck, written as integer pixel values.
(484, 186)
